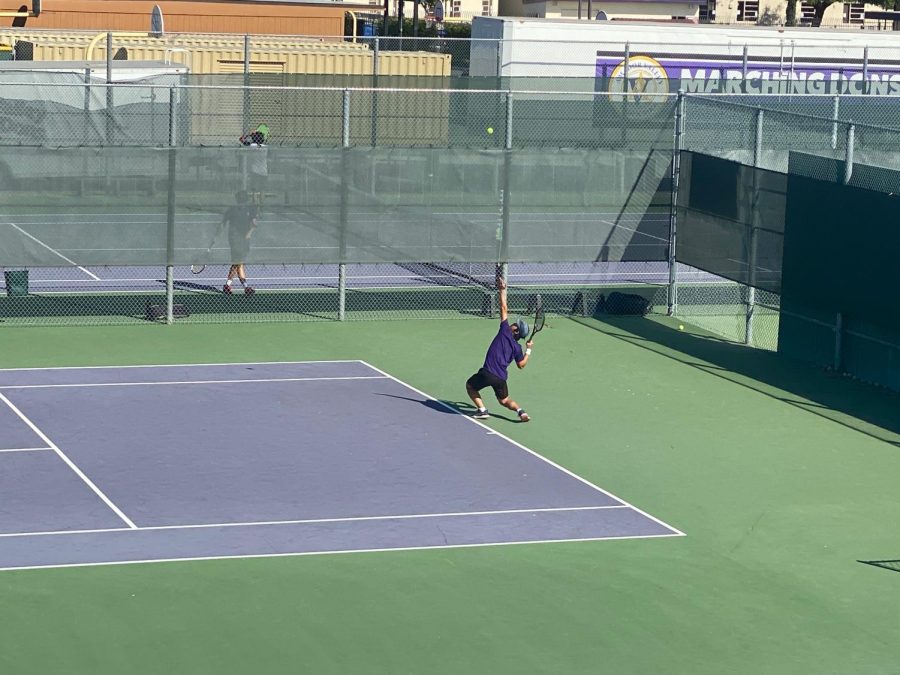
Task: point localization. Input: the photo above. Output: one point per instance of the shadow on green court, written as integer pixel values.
(892, 565)
(854, 404)
(451, 407)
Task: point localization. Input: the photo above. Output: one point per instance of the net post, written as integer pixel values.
(170, 211)
(753, 243)
(345, 188)
(678, 143)
(848, 157)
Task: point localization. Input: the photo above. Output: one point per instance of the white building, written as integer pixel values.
(458, 10)
(747, 12)
(630, 10)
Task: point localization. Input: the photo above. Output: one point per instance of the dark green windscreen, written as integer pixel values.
(731, 220)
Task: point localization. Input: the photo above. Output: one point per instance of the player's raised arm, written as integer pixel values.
(501, 288)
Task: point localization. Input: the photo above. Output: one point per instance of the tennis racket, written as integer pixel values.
(196, 268)
(538, 316)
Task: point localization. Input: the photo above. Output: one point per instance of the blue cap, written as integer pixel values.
(523, 329)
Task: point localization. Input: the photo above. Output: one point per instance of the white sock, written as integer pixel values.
(229, 282)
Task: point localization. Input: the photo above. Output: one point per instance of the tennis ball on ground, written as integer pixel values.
(681, 326)
(490, 130)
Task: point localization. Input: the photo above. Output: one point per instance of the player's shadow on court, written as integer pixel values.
(447, 407)
(437, 406)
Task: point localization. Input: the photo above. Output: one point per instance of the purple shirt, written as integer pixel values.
(503, 350)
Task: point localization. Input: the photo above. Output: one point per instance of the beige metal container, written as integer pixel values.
(210, 54)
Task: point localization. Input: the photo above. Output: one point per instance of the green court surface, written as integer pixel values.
(782, 478)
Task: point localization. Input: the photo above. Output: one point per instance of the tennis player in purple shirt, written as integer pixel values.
(504, 350)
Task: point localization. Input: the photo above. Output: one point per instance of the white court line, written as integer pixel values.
(312, 521)
(143, 384)
(69, 462)
(352, 550)
(187, 365)
(526, 449)
(23, 449)
(53, 250)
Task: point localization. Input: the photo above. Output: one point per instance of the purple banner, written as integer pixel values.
(726, 75)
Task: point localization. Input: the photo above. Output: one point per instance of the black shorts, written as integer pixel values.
(240, 248)
(256, 182)
(484, 378)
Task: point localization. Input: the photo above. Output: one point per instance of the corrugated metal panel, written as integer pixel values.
(311, 116)
(324, 18)
(206, 53)
(255, 67)
(49, 39)
(414, 63)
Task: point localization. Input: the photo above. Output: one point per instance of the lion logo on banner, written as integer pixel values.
(646, 80)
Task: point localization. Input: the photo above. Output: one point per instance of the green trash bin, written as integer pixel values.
(16, 283)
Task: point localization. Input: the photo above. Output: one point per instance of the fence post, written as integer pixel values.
(86, 119)
(838, 342)
(753, 243)
(865, 70)
(744, 64)
(376, 66)
(834, 125)
(672, 291)
(345, 205)
(504, 190)
(170, 211)
(87, 106)
(376, 52)
(245, 114)
(848, 158)
(109, 89)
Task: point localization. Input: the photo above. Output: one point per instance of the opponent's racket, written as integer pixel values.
(196, 268)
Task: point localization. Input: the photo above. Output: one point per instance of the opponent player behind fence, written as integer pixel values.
(258, 168)
(504, 349)
(240, 220)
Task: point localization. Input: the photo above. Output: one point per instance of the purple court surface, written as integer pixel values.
(109, 465)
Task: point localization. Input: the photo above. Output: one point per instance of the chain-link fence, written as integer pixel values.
(62, 111)
(385, 203)
(69, 109)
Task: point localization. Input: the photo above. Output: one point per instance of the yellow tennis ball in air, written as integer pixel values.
(490, 130)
